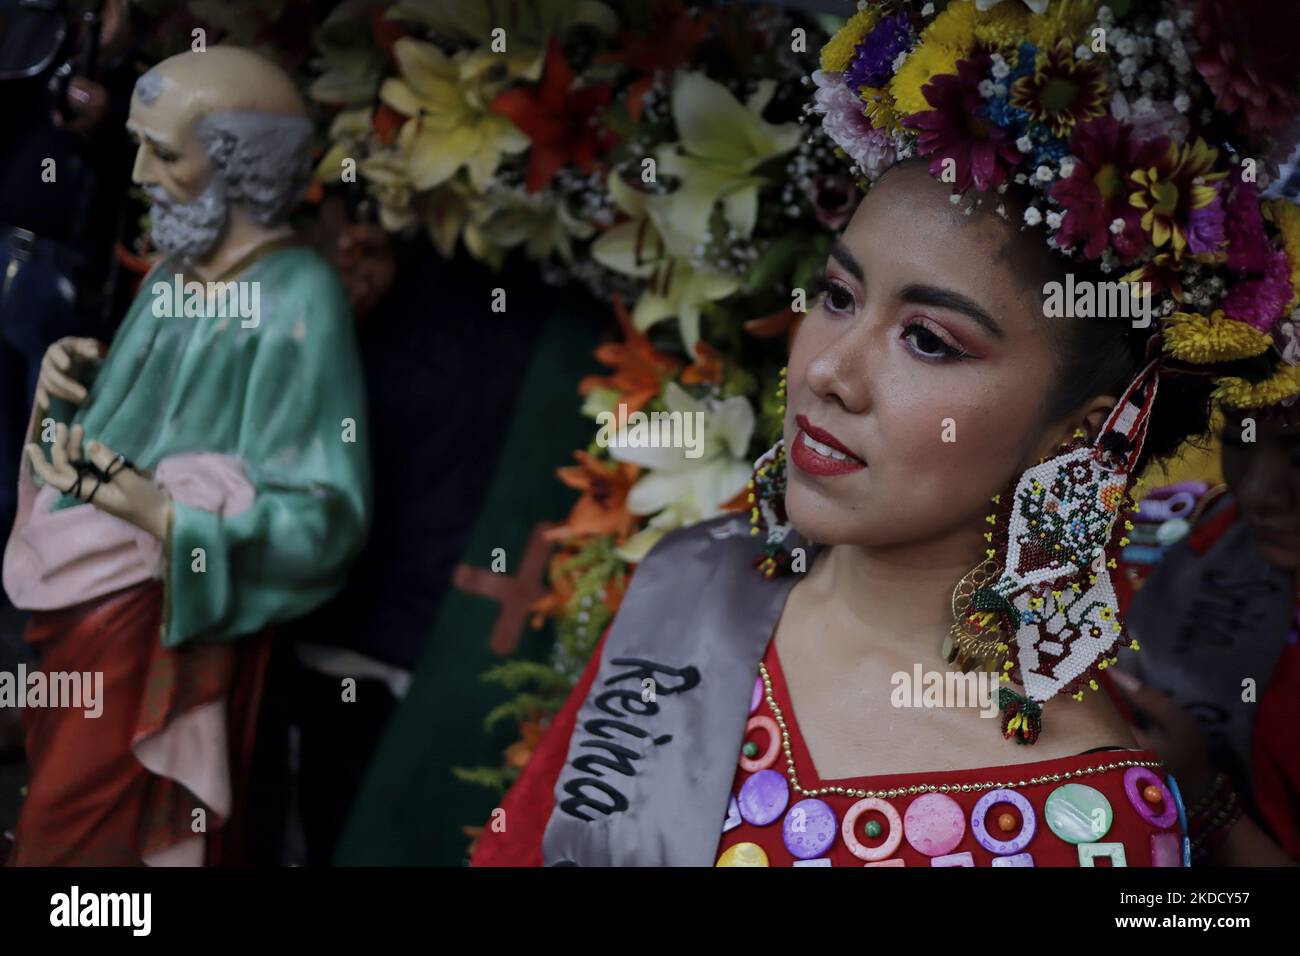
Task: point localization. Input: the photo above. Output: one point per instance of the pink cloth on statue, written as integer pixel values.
(59, 559)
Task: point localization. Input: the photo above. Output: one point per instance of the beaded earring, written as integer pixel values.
(767, 500)
(1047, 605)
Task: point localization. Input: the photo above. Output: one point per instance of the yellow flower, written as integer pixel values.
(449, 124)
(955, 27)
(837, 54)
(1003, 27)
(1285, 216)
(1172, 188)
(1192, 337)
(878, 106)
(927, 61)
(1239, 393)
(1063, 20)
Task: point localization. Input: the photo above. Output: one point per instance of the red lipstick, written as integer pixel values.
(818, 452)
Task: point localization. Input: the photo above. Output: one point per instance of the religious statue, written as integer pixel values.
(209, 478)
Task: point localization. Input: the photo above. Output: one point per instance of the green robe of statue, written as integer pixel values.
(285, 397)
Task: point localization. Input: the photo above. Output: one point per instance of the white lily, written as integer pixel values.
(678, 490)
(722, 142)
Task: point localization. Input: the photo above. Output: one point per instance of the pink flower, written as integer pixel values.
(1262, 301)
(848, 127)
(834, 198)
(1248, 248)
(956, 130)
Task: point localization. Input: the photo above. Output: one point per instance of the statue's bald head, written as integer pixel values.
(221, 79)
(228, 112)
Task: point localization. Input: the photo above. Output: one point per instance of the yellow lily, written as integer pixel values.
(505, 218)
(527, 27)
(385, 171)
(347, 135)
(450, 125)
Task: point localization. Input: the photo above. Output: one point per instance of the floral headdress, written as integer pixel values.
(1142, 131)
(1140, 135)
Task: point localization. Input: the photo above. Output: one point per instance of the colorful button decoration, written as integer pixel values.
(1166, 849)
(755, 764)
(1090, 852)
(763, 797)
(1078, 813)
(894, 862)
(743, 854)
(757, 697)
(822, 862)
(809, 828)
(1028, 822)
(934, 824)
(1182, 819)
(733, 815)
(1019, 859)
(954, 859)
(892, 839)
(1139, 780)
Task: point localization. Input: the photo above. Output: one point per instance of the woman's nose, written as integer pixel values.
(840, 370)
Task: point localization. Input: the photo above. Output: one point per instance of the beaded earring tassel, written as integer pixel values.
(767, 501)
(1054, 536)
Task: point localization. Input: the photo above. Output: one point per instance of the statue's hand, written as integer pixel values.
(102, 478)
(57, 378)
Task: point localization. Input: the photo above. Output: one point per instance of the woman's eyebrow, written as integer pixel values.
(840, 253)
(947, 299)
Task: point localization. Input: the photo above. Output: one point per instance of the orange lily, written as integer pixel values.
(602, 509)
(707, 368)
(667, 44)
(558, 120)
(639, 368)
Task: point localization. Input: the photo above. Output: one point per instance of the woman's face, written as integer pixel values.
(917, 383)
(1264, 475)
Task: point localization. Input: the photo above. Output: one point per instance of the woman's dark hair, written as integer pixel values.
(1100, 355)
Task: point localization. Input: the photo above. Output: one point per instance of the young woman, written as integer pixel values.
(956, 460)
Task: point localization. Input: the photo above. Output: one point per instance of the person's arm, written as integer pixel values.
(1175, 735)
(514, 837)
(304, 444)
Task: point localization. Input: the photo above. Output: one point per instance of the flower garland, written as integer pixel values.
(660, 157)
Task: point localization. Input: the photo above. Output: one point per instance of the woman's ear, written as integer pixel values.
(1090, 417)
(1096, 413)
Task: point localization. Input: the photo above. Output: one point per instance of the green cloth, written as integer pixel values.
(275, 396)
(411, 808)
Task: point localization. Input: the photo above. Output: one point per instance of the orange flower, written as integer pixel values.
(558, 118)
(639, 368)
(707, 368)
(602, 509)
(770, 326)
(665, 46)
(521, 751)
(554, 601)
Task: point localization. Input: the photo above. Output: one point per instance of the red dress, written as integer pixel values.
(932, 820)
(1071, 811)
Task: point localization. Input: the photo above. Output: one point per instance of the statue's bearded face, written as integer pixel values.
(189, 204)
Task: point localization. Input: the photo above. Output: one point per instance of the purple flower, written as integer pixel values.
(1205, 229)
(873, 61)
